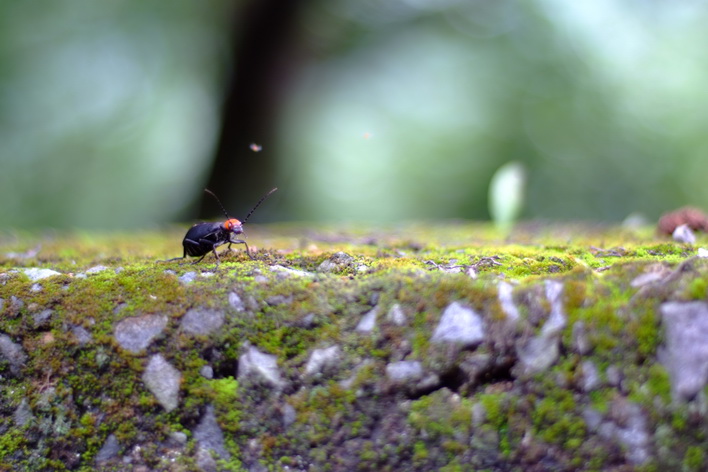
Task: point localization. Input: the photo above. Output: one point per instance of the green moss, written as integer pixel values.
(697, 289)
(694, 459)
(659, 383)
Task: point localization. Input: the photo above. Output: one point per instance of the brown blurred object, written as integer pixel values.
(693, 217)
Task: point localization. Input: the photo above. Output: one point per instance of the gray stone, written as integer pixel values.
(259, 366)
(685, 354)
(202, 321)
(236, 302)
(321, 359)
(590, 376)
(23, 413)
(36, 274)
(275, 300)
(368, 321)
(109, 450)
(459, 324)
(683, 234)
(16, 303)
(188, 277)
(538, 353)
(12, 353)
(136, 333)
(207, 372)
(204, 461)
(285, 272)
(209, 436)
(163, 381)
(289, 414)
(506, 300)
(96, 269)
(396, 315)
(178, 438)
(581, 343)
(557, 318)
(36, 288)
(648, 278)
(404, 371)
(81, 334)
(628, 426)
(42, 318)
(337, 260)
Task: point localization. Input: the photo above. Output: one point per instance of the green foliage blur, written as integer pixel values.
(399, 110)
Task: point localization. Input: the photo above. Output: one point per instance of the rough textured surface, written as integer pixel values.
(431, 347)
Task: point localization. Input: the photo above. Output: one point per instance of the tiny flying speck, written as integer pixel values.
(255, 147)
(367, 135)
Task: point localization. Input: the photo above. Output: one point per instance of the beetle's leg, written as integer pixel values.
(241, 241)
(184, 255)
(200, 259)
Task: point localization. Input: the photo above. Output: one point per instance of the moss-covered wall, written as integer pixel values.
(419, 347)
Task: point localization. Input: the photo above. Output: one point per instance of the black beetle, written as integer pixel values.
(205, 237)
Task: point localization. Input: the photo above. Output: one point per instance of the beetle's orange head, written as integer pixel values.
(233, 225)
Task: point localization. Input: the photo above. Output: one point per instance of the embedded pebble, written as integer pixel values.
(580, 338)
(96, 269)
(36, 288)
(684, 234)
(202, 321)
(321, 359)
(288, 271)
(404, 370)
(685, 354)
(274, 300)
(209, 436)
(647, 278)
(236, 302)
(36, 274)
(289, 414)
(207, 372)
(109, 450)
(257, 365)
(538, 353)
(188, 277)
(368, 321)
(590, 376)
(136, 333)
(506, 300)
(702, 253)
(13, 353)
(396, 315)
(557, 319)
(163, 380)
(336, 261)
(459, 324)
(81, 335)
(629, 428)
(23, 413)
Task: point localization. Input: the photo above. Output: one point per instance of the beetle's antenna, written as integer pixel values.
(258, 204)
(219, 202)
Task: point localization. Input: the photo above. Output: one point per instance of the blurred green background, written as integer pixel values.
(116, 114)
